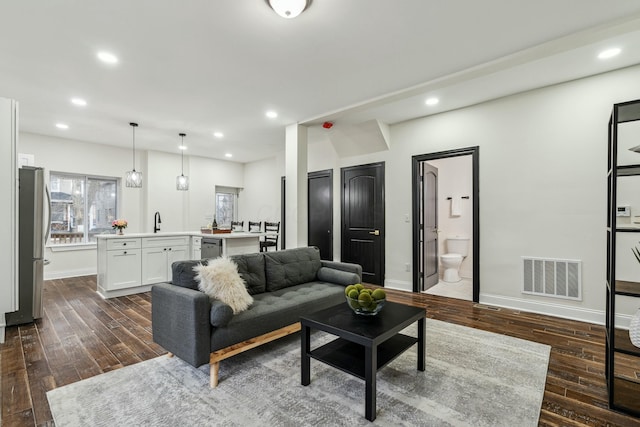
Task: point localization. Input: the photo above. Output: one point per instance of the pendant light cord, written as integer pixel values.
(182, 148)
(134, 125)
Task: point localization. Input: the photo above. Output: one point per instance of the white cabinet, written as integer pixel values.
(124, 268)
(196, 247)
(119, 266)
(130, 265)
(158, 253)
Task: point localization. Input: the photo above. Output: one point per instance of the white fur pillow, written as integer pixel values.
(220, 280)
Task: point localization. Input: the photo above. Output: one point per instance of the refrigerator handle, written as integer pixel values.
(46, 234)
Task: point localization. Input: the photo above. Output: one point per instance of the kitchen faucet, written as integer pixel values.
(156, 222)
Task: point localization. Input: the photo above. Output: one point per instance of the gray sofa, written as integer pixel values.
(284, 285)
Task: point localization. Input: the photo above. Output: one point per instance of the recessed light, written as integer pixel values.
(107, 57)
(432, 101)
(272, 114)
(228, 155)
(182, 147)
(218, 134)
(609, 53)
(62, 126)
(79, 101)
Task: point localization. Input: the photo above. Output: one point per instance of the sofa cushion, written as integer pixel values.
(274, 310)
(251, 269)
(220, 281)
(182, 273)
(291, 267)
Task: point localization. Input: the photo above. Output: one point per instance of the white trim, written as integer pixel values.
(400, 285)
(548, 308)
(70, 273)
(124, 292)
(64, 247)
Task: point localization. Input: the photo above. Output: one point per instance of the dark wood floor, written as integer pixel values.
(82, 335)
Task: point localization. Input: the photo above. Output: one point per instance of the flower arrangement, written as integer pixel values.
(119, 224)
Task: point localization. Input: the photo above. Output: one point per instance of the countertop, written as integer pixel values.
(232, 235)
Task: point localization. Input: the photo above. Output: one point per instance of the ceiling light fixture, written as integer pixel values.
(107, 57)
(218, 134)
(271, 114)
(609, 53)
(79, 101)
(182, 182)
(228, 155)
(288, 8)
(432, 101)
(134, 178)
(62, 126)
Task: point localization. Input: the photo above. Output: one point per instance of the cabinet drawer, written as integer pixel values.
(161, 242)
(122, 244)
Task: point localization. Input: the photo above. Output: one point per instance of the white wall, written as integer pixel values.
(260, 198)
(180, 211)
(205, 174)
(543, 162)
(455, 179)
(8, 211)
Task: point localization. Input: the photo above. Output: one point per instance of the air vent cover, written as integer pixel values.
(558, 278)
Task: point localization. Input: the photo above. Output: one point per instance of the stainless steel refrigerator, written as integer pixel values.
(31, 239)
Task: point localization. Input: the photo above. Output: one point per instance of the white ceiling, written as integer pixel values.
(199, 66)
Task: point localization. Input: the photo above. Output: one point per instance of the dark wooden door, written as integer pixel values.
(363, 220)
(429, 225)
(320, 208)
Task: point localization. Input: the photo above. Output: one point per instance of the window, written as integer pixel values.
(226, 206)
(81, 207)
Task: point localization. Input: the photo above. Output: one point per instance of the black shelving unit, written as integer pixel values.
(622, 357)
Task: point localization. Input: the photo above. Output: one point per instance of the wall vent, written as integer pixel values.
(558, 278)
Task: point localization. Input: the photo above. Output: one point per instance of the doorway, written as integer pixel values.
(429, 235)
(362, 208)
(320, 212)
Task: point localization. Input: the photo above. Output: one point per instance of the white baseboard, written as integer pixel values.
(69, 273)
(552, 309)
(400, 285)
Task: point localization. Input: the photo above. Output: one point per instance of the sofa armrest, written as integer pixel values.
(180, 322)
(344, 266)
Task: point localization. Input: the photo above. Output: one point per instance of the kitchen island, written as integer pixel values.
(227, 244)
(132, 263)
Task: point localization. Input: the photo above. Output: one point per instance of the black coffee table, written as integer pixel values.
(365, 344)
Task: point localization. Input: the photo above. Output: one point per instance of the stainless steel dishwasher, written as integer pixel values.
(211, 247)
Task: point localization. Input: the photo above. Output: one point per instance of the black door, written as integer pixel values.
(363, 220)
(320, 207)
(429, 225)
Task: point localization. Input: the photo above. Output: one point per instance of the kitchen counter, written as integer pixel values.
(232, 235)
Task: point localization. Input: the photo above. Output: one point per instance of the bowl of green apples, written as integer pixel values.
(365, 301)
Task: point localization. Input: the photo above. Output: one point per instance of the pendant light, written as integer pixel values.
(289, 8)
(182, 182)
(134, 178)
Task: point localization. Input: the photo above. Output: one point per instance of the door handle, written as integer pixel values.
(375, 232)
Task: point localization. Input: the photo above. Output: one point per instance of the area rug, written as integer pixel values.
(472, 378)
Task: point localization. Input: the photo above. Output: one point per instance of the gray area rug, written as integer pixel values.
(472, 378)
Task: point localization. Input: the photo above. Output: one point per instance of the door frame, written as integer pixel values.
(283, 216)
(415, 202)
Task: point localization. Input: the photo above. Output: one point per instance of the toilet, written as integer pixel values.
(457, 250)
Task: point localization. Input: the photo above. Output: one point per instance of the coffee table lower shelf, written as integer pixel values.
(349, 357)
